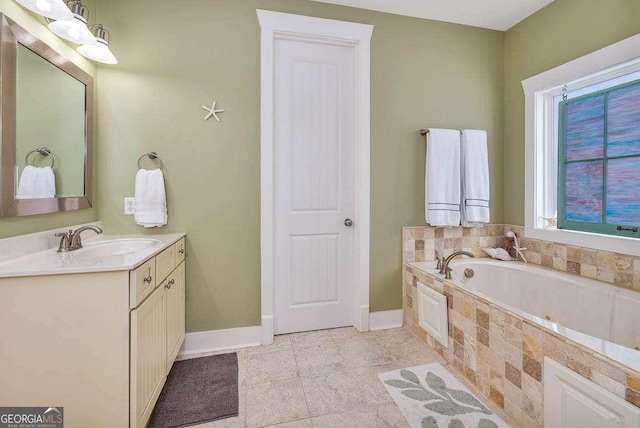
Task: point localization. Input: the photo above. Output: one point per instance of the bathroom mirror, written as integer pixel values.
(46, 127)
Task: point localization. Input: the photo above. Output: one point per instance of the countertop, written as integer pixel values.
(50, 262)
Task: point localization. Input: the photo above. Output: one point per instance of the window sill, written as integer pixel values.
(596, 241)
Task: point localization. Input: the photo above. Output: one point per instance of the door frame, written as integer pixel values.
(274, 26)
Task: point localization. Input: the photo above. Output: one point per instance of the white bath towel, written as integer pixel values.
(36, 183)
(442, 177)
(475, 179)
(150, 199)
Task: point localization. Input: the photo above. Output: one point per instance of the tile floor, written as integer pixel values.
(325, 378)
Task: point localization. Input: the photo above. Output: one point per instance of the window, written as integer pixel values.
(584, 219)
(599, 160)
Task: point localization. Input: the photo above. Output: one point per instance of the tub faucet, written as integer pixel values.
(445, 269)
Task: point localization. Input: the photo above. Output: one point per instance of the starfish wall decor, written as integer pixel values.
(213, 112)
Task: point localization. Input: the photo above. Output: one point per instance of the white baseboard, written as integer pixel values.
(384, 320)
(244, 337)
(267, 329)
(362, 318)
(221, 340)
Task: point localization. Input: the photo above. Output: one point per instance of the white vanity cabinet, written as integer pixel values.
(157, 333)
(98, 344)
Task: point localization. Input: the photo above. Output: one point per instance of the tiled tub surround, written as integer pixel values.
(424, 243)
(502, 353)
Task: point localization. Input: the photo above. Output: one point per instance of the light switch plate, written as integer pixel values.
(129, 206)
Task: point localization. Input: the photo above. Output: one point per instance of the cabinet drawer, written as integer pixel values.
(181, 250)
(165, 263)
(142, 282)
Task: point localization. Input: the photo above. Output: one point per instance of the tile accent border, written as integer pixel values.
(502, 354)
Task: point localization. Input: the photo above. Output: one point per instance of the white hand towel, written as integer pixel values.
(475, 179)
(150, 199)
(36, 183)
(442, 177)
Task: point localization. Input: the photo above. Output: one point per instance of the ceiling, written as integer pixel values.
(492, 14)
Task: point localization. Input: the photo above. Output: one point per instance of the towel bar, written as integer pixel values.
(424, 132)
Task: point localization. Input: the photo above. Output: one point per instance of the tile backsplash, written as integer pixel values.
(618, 269)
(425, 243)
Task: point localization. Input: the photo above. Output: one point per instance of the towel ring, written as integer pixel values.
(42, 151)
(152, 156)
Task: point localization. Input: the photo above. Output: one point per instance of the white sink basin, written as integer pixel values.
(114, 247)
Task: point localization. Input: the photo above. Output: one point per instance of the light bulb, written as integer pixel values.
(99, 52)
(75, 30)
(44, 5)
(52, 9)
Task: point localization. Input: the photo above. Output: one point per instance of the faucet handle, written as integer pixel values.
(65, 241)
(447, 273)
(439, 265)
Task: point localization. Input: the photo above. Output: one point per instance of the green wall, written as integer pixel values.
(559, 33)
(36, 25)
(176, 58)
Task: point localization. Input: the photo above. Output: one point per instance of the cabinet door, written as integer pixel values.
(175, 291)
(148, 356)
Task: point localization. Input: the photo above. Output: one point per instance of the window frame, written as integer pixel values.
(601, 227)
(608, 63)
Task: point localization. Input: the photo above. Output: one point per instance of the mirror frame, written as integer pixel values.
(12, 34)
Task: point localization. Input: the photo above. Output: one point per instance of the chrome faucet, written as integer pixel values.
(445, 269)
(71, 241)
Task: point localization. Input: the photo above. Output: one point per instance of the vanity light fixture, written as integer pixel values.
(75, 29)
(99, 52)
(53, 9)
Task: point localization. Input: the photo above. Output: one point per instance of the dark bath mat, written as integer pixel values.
(197, 391)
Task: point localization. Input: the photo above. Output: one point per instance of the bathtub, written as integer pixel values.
(599, 316)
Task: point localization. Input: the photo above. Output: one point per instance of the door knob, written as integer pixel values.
(348, 222)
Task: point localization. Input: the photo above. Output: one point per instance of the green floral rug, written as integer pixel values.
(429, 396)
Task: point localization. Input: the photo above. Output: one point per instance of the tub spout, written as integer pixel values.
(446, 270)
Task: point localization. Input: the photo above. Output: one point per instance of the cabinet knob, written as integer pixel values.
(148, 279)
(181, 250)
(170, 283)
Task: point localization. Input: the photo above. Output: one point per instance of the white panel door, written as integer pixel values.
(314, 140)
